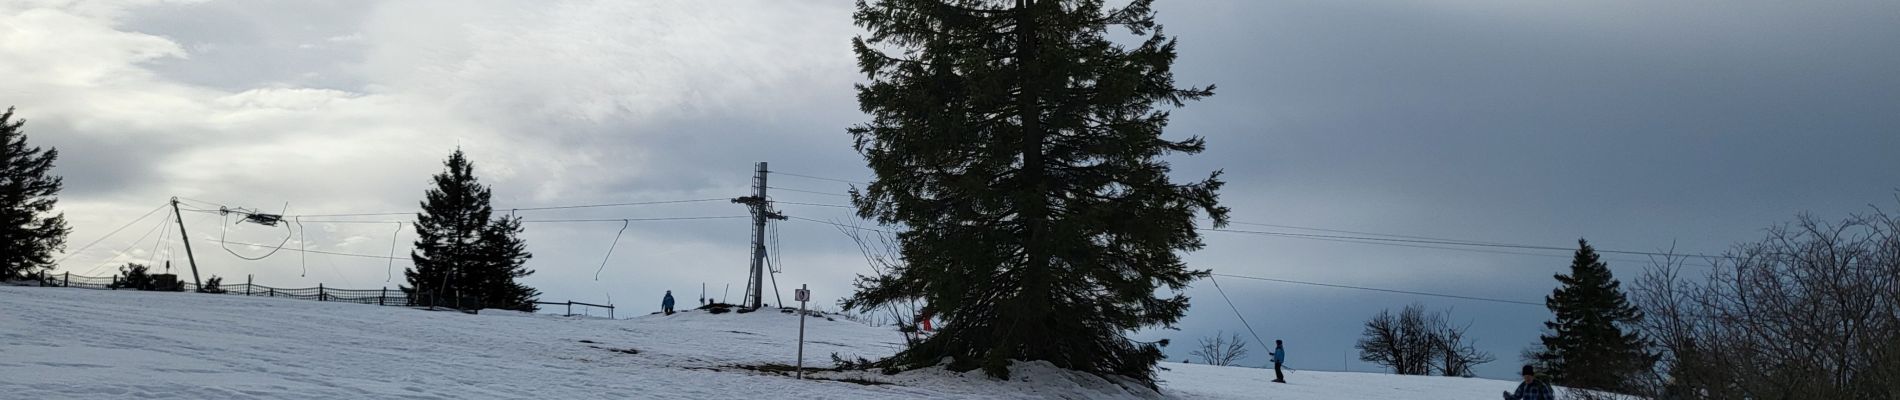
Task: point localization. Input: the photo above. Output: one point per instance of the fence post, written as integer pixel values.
(115, 282)
(320, 295)
(69, 280)
(570, 308)
(247, 284)
(379, 298)
(273, 292)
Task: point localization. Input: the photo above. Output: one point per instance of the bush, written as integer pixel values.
(139, 277)
(211, 285)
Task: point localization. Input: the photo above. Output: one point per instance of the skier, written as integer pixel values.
(666, 304)
(1279, 357)
(1531, 389)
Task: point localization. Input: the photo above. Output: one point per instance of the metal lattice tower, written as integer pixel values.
(762, 212)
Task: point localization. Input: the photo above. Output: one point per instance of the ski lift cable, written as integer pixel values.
(610, 249)
(1243, 319)
(162, 234)
(303, 243)
(820, 178)
(223, 235)
(389, 267)
(562, 207)
(813, 204)
(127, 250)
(215, 240)
(89, 245)
(1410, 292)
(636, 219)
(838, 224)
(637, 203)
(808, 191)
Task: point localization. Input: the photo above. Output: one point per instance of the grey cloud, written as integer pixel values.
(1638, 125)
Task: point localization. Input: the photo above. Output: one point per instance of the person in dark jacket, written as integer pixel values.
(1279, 357)
(1531, 389)
(666, 304)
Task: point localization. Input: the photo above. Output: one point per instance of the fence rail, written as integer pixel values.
(379, 297)
(570, 307)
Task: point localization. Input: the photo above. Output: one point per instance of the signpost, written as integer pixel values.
(802, 295)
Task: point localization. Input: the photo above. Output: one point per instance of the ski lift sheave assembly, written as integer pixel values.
(255, 217)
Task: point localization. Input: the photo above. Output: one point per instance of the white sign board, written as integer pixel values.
(801, 295)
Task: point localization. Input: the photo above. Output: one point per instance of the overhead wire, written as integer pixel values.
(1420, 242)
(127, 250)
(224, 232)
(210, 240)
(109, 234)
(637, 219)
(819, 177)
(637, 203)
(808, 191)
(563, 207)
(162, 234)
(837, 224)
(812, 204)
(1354, 232)
(1410, 292)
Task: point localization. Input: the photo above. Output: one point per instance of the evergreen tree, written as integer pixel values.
(505, 257)
(460, 251)
(1020, 146)
(1587, 346)
(30, 232)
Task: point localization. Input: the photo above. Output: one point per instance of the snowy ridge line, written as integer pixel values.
(97, 344)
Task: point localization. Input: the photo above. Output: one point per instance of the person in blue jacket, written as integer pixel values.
(1279, 357)
(1531, 389)
(666, 304)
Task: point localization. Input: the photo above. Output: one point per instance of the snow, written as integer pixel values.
(77, 343)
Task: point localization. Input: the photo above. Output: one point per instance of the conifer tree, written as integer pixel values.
(1020, 146)
(30, 232)
(505, 257)
(1592, 343)
(460, 251)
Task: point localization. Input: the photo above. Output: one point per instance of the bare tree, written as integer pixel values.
(1404, 343)
(1810, 311)
(1222, 351)
(1457, 353)
(882, 253)
(1417, 342)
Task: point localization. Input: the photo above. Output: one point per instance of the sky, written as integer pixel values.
(1639, 125)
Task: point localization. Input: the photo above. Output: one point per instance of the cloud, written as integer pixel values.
(1636, 124)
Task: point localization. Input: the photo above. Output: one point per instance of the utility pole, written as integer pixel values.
(761, 212)
(187, 239)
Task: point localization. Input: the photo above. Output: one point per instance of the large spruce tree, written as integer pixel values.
(30, 232)
(1586, 345)
(1020, 146)
(460, 250)
(505, 257)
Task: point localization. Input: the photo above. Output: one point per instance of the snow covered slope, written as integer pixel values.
(76, 343)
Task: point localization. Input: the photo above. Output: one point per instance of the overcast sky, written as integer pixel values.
(1637, 124)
